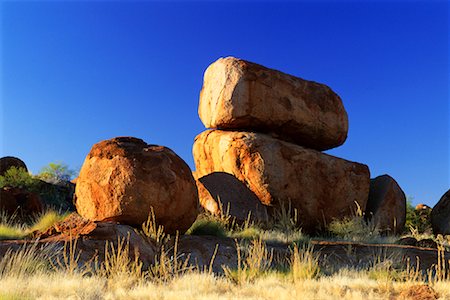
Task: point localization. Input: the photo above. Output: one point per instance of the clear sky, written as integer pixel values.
(75, 73)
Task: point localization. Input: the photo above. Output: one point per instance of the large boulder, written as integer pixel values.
(386, 205)
(241, 95)
(123, 178)
(10, 161)
(440, 215)
(320, 186)
(20, 203)
(220, 192)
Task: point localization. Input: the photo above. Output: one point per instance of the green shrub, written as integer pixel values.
(204, 226)
(56, 172)
(19, 178)
(418, 220)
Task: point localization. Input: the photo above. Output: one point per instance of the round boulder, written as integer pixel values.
(440, 215)
(8, 162)
(123, 178)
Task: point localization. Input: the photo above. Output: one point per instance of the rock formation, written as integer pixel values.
(440, 215)
(123, 178)
(9, 161)
(20, 202)
(240, 95)
(387, 204)
(320, 186)
(268, 130)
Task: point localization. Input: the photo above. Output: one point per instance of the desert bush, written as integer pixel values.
(303, 263)
(207, 226)
(19, 178)
(56, 172)
(11, 228)
(355, 228)
(418, 220)
(251, 264)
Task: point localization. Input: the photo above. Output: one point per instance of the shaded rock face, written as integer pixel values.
(234, 196)
(386, 204)
(241, 95)
(440, 215)
(9, 161)
(321, 187)
(123, 178)
(18, 201)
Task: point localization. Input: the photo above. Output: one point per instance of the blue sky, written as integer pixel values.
(75, 73)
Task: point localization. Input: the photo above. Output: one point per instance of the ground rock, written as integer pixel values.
(440, 215)
(222, 191)
(10, 161)
(123, 178)
(386, 204)
(241, 95)
(321, 187)
(19, 202)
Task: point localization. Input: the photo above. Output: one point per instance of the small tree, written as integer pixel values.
(56, 172)
(17, 177)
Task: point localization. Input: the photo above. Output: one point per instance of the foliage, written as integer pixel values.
(205, 226)
(19, 178)
(10, 228)
(303, 263)
(251, 264)
(56, 172)
(418, 220)
(355, 228)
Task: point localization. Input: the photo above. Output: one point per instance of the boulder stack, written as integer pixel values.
(268, 129)
(122, 179)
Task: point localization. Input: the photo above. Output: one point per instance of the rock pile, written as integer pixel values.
(123, 178)
(268, 129)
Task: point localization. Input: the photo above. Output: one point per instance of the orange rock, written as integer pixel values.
(241, 95)
(386, 204)
(123, 178)
(320, 186)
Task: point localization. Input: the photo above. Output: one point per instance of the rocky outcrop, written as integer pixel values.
(220, 190)
(440, 215)
(386, 205)
(123, 178)
(320, 186)
(240, 95)
(9, 161)
(19, 202)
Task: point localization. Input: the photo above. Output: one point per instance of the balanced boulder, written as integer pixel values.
(240, 95)
(123, 178)
(440, 215)
(320, 186)
(386, 205)
(220, 192)
(10, 161)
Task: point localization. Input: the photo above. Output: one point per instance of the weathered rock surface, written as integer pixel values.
(19, 202)
(241, 95)
(123, 178)
(321, 187)
(90, 240)
(386, 205)
(440, 215)
(220, 190)
(10, 161)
